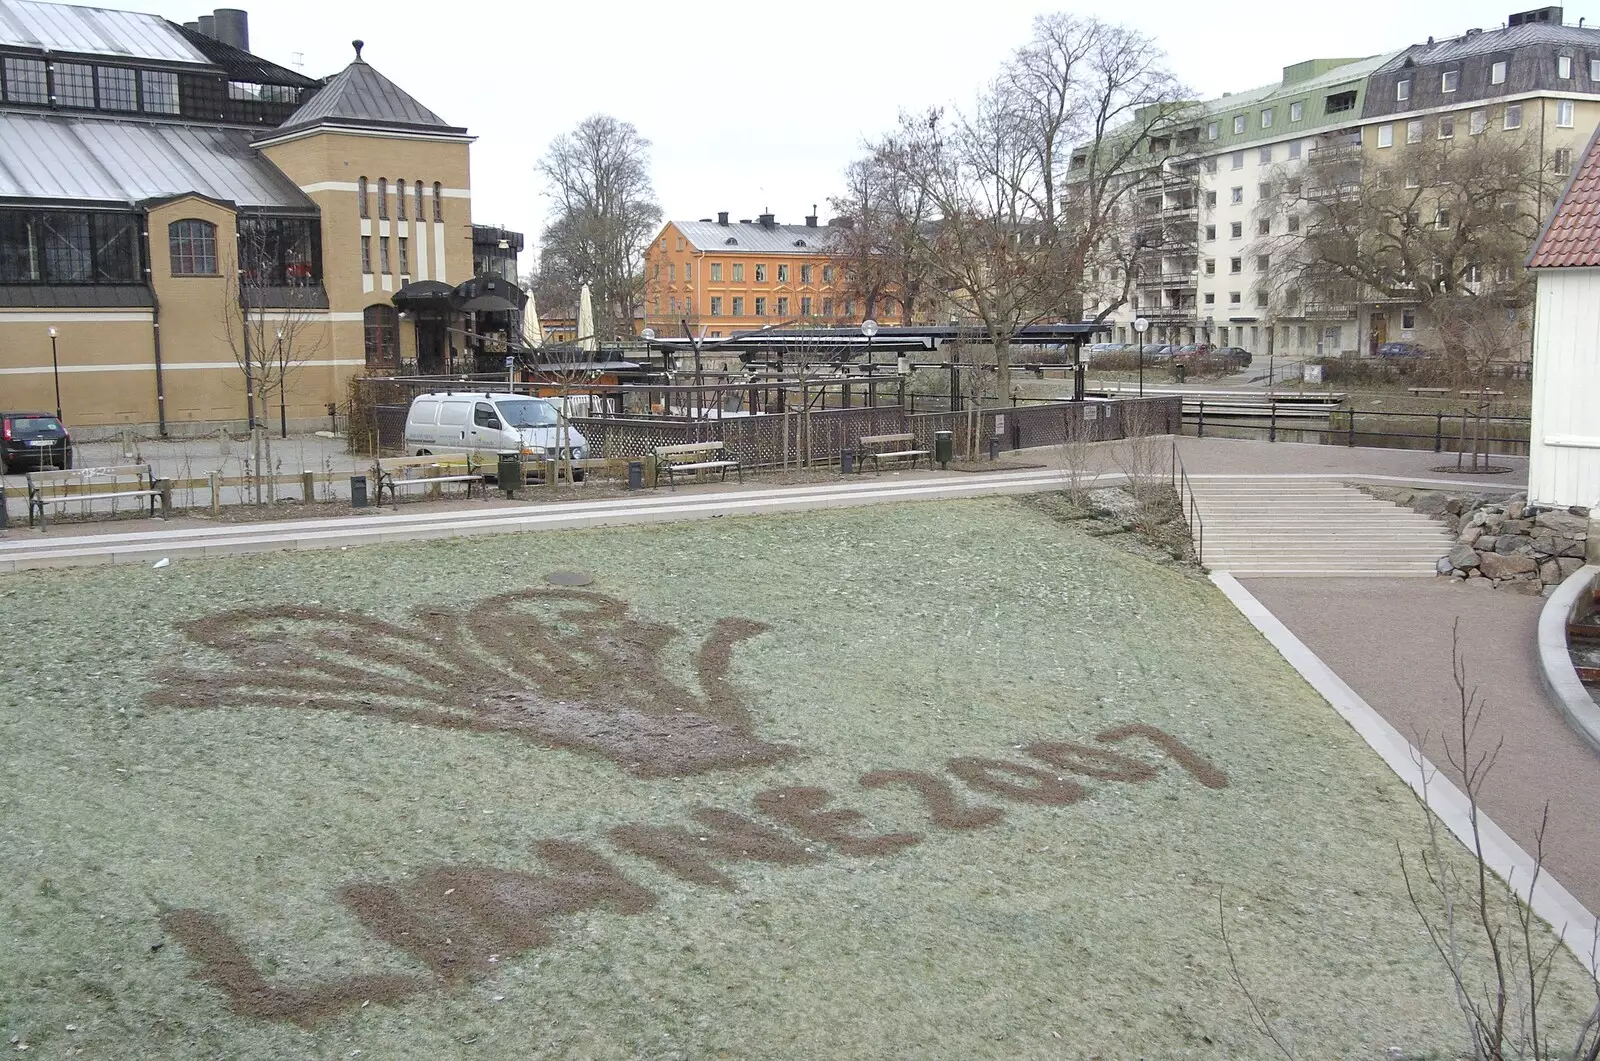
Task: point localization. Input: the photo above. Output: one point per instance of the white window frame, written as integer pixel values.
(1594, 70)
(1213, 130)
(1236, 195)
(1564, 110)
(1497, 73)
(1414, 131)
(1236, 160)
(1449, 80)
(1402, 90)
(1564, 68)
(1385, 136)
(1447, 126)
(1239, 124)
(1264, 156)
(1297, 109)
(1266, 118)
(1513, 109)
(1477, 122)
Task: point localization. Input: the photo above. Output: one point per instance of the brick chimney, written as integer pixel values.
(722, 217)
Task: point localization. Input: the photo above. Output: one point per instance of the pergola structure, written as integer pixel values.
(777, 347)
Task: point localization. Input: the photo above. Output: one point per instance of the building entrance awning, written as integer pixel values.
(424, 295)
(489, 294)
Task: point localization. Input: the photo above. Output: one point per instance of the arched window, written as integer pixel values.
(438, 201)
(420, 216)
(383, 198)
(193, 244)
(361, 193)
(383, 336)
(400, 200)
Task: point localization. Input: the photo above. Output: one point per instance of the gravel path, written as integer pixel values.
(1390, 640)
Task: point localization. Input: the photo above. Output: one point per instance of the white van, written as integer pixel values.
(487, 423)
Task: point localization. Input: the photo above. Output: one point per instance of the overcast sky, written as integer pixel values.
(762, 105)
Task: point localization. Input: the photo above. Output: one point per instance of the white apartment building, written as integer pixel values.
(1533, 74)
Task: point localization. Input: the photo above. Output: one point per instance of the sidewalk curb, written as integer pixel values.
(1555, 662)
(1568, 917)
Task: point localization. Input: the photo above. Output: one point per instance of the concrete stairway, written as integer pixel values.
(1298, 525)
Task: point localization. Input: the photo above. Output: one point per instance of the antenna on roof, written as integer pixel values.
(358, 45)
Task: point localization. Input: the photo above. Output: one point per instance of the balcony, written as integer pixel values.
(1177, 281)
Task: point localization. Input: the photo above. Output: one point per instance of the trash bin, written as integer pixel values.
(636, 475)
(994, 448)
(508, 472)
(944, 446)
(847, 461)
(358, 491)
(1180, 371)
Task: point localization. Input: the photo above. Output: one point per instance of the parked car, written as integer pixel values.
(1401, 350)
(34, 441)
(486, 423)
(1237, 354)
(1158, 352)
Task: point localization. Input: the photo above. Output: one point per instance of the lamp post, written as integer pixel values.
(55, 371)
(1140, 326)
(283, 404)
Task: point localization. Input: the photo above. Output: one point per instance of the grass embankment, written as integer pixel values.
(1077, 918)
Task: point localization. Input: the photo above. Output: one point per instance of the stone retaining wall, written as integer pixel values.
(1502, 542)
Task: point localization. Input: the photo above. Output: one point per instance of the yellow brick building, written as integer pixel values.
(153, 176)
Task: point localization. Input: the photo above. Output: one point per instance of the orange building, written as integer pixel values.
(725, 277)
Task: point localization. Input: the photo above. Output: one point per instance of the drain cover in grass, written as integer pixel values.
(568, 578)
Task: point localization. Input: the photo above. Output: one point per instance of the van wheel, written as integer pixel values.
(423, 453)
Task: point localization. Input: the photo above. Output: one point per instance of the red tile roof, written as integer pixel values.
(1571, 238)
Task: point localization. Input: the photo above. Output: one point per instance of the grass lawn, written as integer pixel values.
(430, 827)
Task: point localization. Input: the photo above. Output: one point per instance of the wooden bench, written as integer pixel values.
(879, 448)
(400, 473)
(1430, 392)
(96, 484)
(1482, 394)
(694, 457)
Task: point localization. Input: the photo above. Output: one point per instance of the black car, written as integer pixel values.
(33, 441)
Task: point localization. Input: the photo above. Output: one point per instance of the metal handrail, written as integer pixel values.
(1188, 505)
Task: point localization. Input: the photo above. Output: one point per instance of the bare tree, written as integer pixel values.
(1030, 189)
(273, 321)
(604, 213)
(1472, 919)
(884, 217)
(1440, 224)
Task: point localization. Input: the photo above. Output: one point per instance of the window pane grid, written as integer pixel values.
(119, 88)
(25, 81)
(74, 85)
(194, 248)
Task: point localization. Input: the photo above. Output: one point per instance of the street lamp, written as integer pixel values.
(869, 328)
(55, 370)
(283, 406)
(1140, 326)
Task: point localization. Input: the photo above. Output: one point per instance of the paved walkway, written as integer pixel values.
(1390, 640)
(147, 541)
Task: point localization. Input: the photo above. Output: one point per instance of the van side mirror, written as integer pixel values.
(493, 424)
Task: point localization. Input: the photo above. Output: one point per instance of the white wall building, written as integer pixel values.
(1564, 455)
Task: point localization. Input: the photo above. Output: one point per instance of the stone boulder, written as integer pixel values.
(1463, 557)
(1488, 542)
(1550, 571)
(1569, 566)
(1513, 543)
(1499, 566)
(1471, 535)
(1430, 503)
(1564, 524)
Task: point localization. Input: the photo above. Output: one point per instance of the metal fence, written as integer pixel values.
(799, 439)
